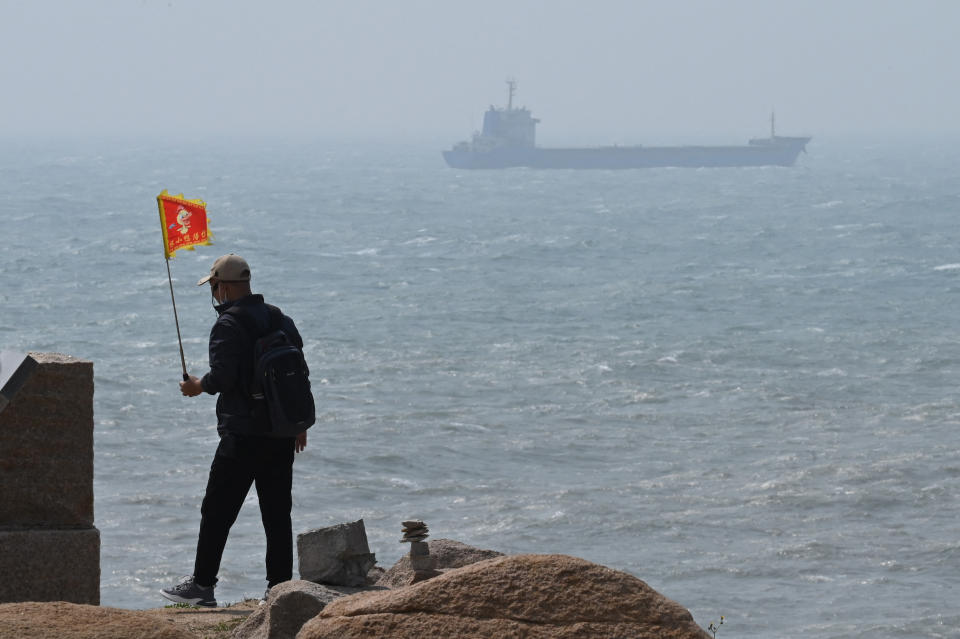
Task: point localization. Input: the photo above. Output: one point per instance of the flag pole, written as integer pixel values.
(183, 362)
(186, 208)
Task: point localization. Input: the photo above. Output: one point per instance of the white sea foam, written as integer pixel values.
(828, 205)
(419, 241)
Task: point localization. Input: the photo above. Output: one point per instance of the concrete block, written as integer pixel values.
(50, 565)
(337, 555)
(46, 447)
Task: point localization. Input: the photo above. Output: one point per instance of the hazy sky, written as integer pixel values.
(613, 71)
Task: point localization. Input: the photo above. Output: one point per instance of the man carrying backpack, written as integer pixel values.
(263, 410)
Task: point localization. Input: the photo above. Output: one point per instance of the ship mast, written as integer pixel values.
(513, 87)
(772, 119)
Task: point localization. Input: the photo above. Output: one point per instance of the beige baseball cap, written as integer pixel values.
(228, 268)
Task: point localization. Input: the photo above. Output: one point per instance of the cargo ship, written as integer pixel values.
(508, 139)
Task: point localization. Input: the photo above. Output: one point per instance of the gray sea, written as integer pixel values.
(739, 385)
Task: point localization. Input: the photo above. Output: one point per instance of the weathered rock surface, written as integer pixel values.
(64, 620)
(338, 555)
(521, 596)
(445, 553)
(374, 575)
(289, 606)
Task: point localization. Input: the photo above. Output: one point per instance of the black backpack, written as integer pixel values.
(281, 378)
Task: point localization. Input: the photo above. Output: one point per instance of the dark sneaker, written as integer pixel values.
(190, 592)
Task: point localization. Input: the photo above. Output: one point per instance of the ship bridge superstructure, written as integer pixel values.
(508, 127)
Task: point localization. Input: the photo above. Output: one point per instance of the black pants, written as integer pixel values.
(240, 462)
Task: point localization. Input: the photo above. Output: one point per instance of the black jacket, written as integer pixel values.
(231, 364)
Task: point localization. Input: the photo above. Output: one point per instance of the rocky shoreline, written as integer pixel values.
(475, 594)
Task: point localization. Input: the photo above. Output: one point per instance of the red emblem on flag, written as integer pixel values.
(184, 223)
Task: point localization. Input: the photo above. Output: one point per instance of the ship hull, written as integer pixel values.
(779, 151)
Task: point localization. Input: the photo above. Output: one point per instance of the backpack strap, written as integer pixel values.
(275, 318)
(274, 321)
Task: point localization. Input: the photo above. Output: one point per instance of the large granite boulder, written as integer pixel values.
(337, 555)
(446, 554)
(530, 596)
(33, 620)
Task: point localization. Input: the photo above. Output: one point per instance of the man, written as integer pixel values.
(246, 454)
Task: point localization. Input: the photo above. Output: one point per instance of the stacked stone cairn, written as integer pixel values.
(415, 533)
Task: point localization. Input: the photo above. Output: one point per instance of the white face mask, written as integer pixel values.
(213, 296)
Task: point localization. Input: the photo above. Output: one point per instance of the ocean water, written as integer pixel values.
(739, 385)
